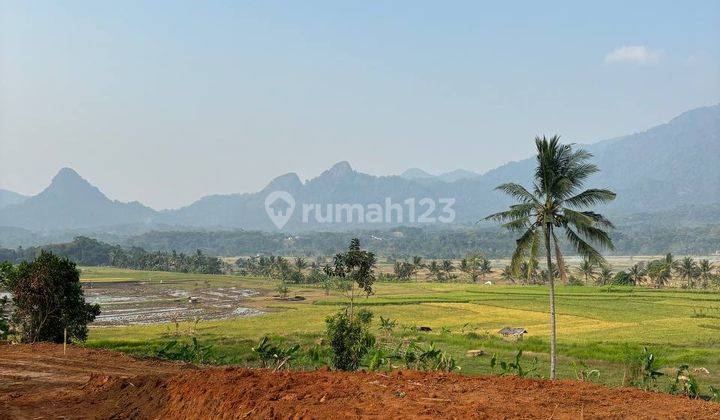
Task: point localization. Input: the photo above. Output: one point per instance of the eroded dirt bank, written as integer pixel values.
(39, 382)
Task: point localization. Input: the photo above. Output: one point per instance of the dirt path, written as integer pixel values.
(39, 382)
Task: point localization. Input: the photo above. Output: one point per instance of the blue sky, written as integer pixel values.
(164, 102)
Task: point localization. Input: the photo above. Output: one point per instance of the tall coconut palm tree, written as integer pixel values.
(587, 269)
(688, 271)
(636, 273)
(555, 204)
(605, 276)
(705, 269)
(660, 271)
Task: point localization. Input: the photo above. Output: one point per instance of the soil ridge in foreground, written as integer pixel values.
(39, 381)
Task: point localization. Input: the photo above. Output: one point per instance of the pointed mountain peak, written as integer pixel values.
(288, 182)
(69, 182)
(66, 174)
(340, 168)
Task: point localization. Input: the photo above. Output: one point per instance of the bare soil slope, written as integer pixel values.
(39, 382)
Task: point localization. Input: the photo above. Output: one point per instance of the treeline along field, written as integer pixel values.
(87, 251)
(402, 242)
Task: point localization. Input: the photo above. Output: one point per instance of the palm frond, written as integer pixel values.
(590, 197)
(597, 236)
(583, 248)
(522, 246)
(518, 224)
(577, 218)
(517, 211)
(517, 191)
(599, 219)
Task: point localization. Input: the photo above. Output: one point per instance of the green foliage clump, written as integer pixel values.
(514, 367)
(277, 356)
(622, 278)
(49, 300)
(193, 352)
(685, 383)
(4, 319)
(645, 369)
(350, 338)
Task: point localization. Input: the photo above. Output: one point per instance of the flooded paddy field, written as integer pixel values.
(143, 297)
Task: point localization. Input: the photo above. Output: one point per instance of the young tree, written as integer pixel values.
(49, 300)
(476, 266)
(555, 204)
(300, 264)
(403, 270)
(357, 267)
(347, 331)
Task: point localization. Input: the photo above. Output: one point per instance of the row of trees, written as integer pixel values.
(91, 252)
(633, 236)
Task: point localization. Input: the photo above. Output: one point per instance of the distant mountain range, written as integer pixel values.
(71, 202)
(668, 166)
(415, 174)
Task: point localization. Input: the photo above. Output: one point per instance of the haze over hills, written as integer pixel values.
(10, 197)
(71, 202)
(451, 176)
(668, 166)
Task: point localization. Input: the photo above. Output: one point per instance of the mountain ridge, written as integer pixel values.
(654, 170)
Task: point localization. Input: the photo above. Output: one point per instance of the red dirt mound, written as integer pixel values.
(116, 386)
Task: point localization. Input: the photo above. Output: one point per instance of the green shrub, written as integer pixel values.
(350, 338)
(192, 352)
(515, 367)
(275, 356)
(4, 315)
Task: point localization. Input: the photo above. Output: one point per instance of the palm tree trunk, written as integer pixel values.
(551, 283)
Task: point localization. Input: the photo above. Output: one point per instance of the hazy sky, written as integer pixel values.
(164, 102)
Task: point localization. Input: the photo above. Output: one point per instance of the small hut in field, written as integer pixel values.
(513, 334)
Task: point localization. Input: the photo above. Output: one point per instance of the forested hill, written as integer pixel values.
(192, 251)
(657, 170)
(91, 252)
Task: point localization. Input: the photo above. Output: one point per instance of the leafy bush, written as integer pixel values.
(4, 321)
(685, 384)
(514, 367)
(645, 369)
(275, 356)
(282, 290)
(430, 358)
(574, 281)
(49, 300)
(192, 352)
(387, 325)
(622, 278)
(714, 394)
(350, 338)
(584, 373)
